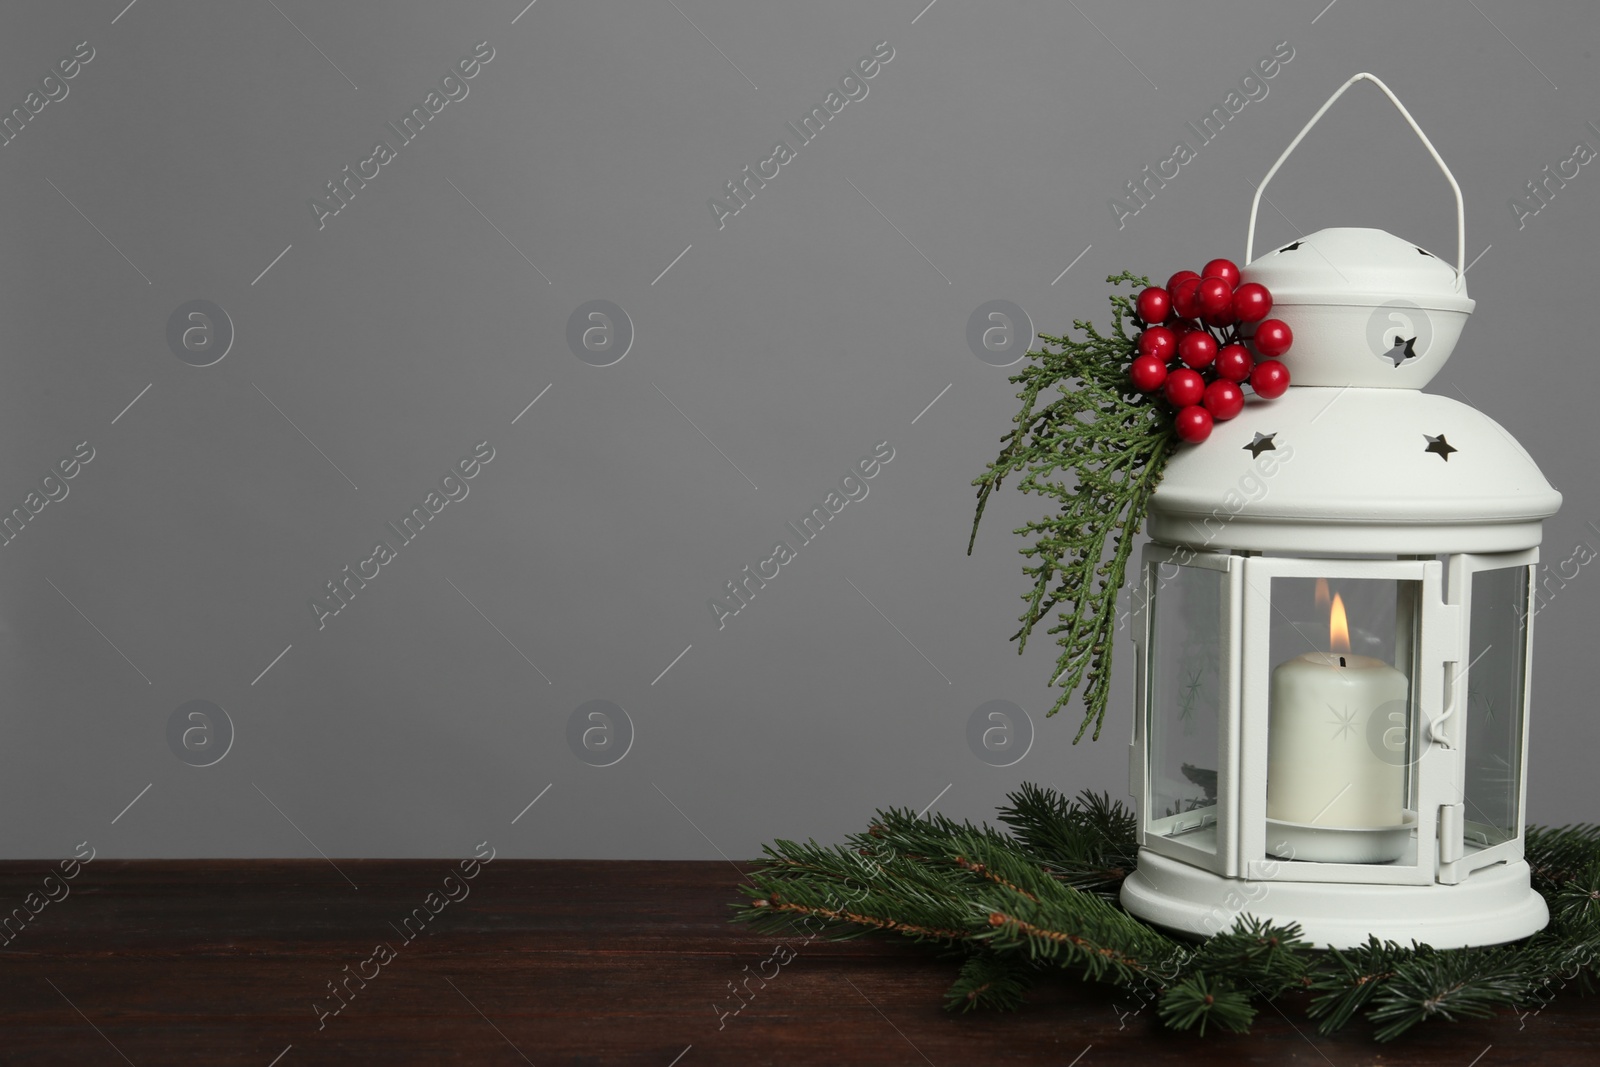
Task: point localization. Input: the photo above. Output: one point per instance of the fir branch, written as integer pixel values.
(1556, 855)
(1081, 931)
(935, 879)
(1348, 979)
(1090, 842)
(1199, 1000)
(1575, 903)
(1023, 901)
(1268, 958)
(1091, 443)
(1459, 984)
(776, 902)
(990, 980)
(852, 894)
(1042, 897)
(983, 870)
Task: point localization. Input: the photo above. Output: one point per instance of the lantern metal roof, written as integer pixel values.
(1323, 470)
(1357, 264)
(1355, 287)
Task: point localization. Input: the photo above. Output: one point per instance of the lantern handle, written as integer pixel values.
(1461, 214)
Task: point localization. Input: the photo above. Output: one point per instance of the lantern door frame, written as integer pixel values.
(1433, 640)
(1155, 555)
(1455, 862)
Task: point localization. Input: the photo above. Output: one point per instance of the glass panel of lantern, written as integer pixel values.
(1340, 712)
(1186, 704)
(1496, 680)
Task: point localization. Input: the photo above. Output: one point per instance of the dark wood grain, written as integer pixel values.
(571, 962)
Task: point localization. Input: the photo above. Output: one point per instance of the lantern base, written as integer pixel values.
(1489, 907)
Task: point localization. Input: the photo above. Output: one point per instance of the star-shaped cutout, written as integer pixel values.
(1403, 350)
(1290, 248)
(1439, 446)
(1262, 443)
(1345, 721)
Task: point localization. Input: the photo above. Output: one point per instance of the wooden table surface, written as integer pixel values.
(220, 962)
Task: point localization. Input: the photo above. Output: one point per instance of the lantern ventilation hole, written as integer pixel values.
(1403, 351)
(1262, 443)
(1439, 446)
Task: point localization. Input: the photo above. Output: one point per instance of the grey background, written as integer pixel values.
(799, 335)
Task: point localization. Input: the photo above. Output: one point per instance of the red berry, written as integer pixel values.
(1269, 379)
(1172, 282)
(1158, 341)
(1251, 302)
(1224, 400)
(1214, 295)
(1197, 349)
(1185, 387)
(1234, 363)
(1147, 373)
(1184, 299)
(1273, 338)
(1154, 303)
(1193, 423)
(1225, 269)
(1182, 328)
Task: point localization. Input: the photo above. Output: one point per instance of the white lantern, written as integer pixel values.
(1336, 626)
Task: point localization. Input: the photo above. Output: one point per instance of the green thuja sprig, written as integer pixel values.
(1086, 439)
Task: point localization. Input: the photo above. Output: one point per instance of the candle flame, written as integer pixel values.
(1322, 593)
(1338, 626)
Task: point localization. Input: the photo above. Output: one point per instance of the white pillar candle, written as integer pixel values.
(1321, 767)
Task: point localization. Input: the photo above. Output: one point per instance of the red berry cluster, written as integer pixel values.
(1193, 349)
